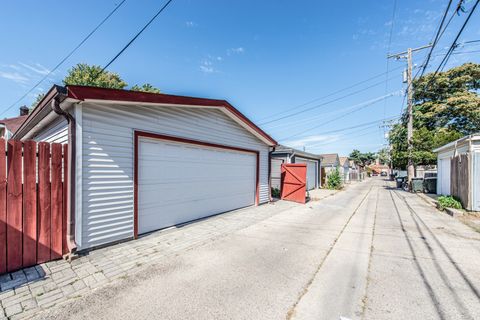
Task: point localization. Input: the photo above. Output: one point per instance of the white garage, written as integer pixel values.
(312, 172)
(284, 154)
(458, 165)
(180, 181)
(146, 161)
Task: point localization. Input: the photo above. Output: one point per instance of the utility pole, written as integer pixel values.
(408, 55)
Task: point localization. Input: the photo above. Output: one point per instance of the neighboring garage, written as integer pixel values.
(148, 161)
(458, 165)
(284, 154)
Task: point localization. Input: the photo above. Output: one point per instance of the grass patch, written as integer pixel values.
(448, 202)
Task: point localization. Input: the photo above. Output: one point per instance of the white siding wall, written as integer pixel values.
(107, 156)
(57, 132)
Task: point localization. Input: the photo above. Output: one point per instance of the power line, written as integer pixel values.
(437, 37)
(388, 52)
(135, 37)
(66, 57)
(355, 132)
(362, 106)
(454, 43)
(324, 103)
(323, 97)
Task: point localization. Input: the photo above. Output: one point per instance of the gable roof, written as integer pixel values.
(281, 149)
(329, 159)
(343, 161)
(12, 124)
(107, 95)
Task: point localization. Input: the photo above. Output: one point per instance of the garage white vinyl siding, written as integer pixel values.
(179, 182)
(311, 172)
(56, 132)
(107, 158)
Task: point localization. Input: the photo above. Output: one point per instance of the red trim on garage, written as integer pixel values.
(84, 92)
(140, 134)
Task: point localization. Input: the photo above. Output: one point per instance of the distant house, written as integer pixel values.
(458, 170)
(9, 126)
(284, 154)
(345, 168)
(330, 161)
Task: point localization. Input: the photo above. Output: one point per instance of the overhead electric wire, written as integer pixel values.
(359, 125)
(324, 103)
(436, 38)
(135, 37)
(336, 141)
(323, 97)
(390, 36)
(65, 58)
(339, 117)
(454, 43)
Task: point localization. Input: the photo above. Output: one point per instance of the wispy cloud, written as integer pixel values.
(207, 67)
(312, 140)
(190, 24)
(14, 76)
(37, 68)
(238, 50)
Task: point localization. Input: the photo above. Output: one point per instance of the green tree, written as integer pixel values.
(446, 107)
(361, 158)
(92, 75)
(384, 156)
(147, 87)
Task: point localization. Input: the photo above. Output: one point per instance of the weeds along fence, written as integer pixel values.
(33, 203)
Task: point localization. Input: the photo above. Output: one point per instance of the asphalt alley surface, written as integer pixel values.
(370, 252)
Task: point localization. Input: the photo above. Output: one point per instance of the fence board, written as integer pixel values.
(29, 203)
(56, 200)
(3, 208)
(460, 175)
(44, 209)
(65, 193)
(14, 206)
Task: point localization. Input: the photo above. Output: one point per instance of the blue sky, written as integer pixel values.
(266, 57)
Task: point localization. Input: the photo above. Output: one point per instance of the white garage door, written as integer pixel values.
(179, 182)
(311, 172)
(443, 176)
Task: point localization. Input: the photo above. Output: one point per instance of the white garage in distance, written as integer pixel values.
(284, 154)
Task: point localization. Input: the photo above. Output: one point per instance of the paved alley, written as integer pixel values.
(369, 252)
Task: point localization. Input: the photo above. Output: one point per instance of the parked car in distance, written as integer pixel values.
(383, 174)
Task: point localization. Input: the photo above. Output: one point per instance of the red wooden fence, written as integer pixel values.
(33, 203)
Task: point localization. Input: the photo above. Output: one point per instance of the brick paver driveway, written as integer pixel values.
(368, 252)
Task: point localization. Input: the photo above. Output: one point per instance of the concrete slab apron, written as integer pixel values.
(339, 287)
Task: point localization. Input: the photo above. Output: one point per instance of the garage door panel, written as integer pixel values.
(311, 172)
(182, 182)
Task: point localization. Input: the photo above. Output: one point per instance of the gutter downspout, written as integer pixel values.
(72, 246)
(270, 173)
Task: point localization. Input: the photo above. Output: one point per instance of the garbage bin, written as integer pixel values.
(430, 185)
(400, 181)
(417, 184)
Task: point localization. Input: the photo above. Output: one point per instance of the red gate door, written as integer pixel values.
(294, 178)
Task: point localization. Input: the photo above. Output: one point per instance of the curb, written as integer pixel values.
(455, 213)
